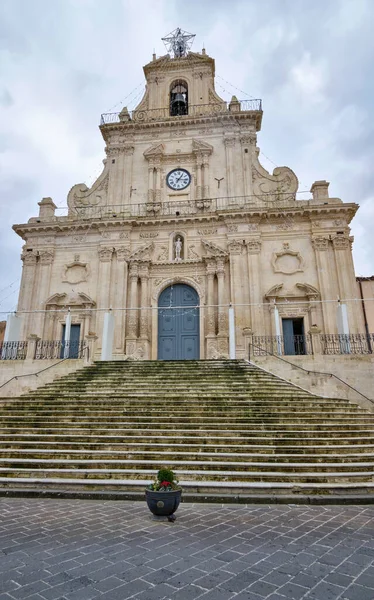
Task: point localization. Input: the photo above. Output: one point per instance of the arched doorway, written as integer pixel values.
(178, 323)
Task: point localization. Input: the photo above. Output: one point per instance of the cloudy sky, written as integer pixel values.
(64, 62)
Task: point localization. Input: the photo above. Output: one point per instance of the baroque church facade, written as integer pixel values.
(183, 222)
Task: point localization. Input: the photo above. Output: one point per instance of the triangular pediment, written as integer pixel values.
(213, 249)
(155, 150)
(200, 146)
(143, 253)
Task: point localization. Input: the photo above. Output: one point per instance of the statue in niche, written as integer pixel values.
(178, 246)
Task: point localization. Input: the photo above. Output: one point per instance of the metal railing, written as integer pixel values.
(46, 349)
(353, 343)
(282, 345)
(308, 371)
(276, 201)
(13, 350)
(193, 110)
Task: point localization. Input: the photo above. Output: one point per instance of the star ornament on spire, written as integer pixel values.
(178, 42)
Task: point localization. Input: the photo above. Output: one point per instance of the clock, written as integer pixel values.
(178, 179)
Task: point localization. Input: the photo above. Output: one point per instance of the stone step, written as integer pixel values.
(279, 440)
(209, 477)
(270, 454)
(233, 487)
(191, 466)
(107, 443)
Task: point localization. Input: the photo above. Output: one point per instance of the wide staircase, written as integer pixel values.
(225, 427)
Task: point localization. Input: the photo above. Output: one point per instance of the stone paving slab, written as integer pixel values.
(53, 549)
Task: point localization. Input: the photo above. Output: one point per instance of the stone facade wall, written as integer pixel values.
(25, 371)
(246, 239)
(357, 371)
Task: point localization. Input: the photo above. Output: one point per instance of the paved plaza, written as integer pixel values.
(53, 549)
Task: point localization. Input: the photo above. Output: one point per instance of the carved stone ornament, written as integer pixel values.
(148, 234)
(287, 262)
(166, 282)
(162, 254)
(192, 253)
(143, 253)
(207, 231)
(46, 257)
(28, 258)
(320, 243)
(80, 195)
(340, 242)
(79, 299)
(213, 249)
(123, 254)
(105, 254)
(75, 272)
(282, 182)
(253, 246)
(235, 247)
(232, 228)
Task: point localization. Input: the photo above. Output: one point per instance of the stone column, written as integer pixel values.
(150, 183)
(157, 195)
(346, 278)
(205, 184)
(210, 273)
(229, 146)
(91, 339)
(45, 267)
(255, 291)
(315, 334)
(235, 248)
(222, 309)
(248, 144)
(121, 299)
(25, 301)
(133, 304)
(198, 179)
(321, 249)
(128, 152)
(105, 257)
(144, 320)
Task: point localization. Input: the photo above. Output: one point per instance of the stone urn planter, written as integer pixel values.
(164, 494)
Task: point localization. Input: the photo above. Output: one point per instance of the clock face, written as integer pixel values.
(178, 179)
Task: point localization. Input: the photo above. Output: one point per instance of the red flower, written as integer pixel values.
(165, 483)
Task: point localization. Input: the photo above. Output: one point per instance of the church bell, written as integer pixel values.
(179, 105)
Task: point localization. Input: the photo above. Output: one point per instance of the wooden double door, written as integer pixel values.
(178, 323)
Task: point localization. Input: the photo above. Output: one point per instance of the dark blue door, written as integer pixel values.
(73, 344)
(178, 323)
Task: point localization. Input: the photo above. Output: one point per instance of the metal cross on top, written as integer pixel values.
(178, 42)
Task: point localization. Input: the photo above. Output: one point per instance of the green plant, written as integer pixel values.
(165, 481)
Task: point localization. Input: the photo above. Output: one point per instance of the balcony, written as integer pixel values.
(198, 110)
(197, 207)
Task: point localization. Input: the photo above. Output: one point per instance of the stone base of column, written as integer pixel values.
(138, 349)
(223, 345)
(217, 347)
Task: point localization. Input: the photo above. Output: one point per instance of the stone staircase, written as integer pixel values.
(225, 427)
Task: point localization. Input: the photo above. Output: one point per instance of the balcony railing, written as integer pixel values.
(46, 349)
(354, 343)
(282, 345)
(194, 110)
(275, 201)
(13, 350)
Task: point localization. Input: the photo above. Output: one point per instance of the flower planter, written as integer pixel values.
(163, 504)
